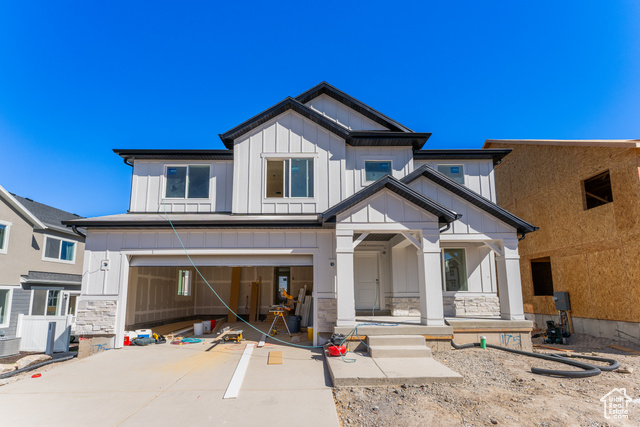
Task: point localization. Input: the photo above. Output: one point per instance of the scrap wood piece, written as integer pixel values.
(234, 294)
(625, 349)
(552, 348)
(263, 338)
(275, 358)
(238, 375)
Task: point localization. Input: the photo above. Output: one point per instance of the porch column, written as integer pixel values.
(509, 286)
(430, 279)
(345, 290)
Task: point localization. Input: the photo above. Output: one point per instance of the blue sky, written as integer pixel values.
(78, 79)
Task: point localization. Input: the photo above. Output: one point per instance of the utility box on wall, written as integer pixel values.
(562, 301)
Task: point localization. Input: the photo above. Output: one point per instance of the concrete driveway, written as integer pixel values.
(175, 385)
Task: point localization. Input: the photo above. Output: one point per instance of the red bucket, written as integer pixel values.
(335, 351)
(127, 341)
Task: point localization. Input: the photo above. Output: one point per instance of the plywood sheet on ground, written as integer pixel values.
(173, 327)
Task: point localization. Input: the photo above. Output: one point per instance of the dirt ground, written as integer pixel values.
(498, 388)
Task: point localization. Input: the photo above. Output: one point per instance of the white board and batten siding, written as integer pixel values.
(287, 136)
(401, 159)
(149, 182)
(341, 114)
(473, 221)
(247, 247)
(34, 330)
(478, 174)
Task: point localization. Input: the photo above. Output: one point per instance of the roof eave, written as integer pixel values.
(14, 203)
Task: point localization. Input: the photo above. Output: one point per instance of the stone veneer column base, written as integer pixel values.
(327, 314)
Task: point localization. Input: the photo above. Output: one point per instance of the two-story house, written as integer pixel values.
(321, 191)
(40, 266)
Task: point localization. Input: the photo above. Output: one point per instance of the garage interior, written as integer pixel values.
(161, 295)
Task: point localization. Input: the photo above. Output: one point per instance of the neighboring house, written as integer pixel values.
(585, 196)
(320, 191)
(40, 261)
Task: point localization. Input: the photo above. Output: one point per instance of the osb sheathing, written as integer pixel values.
(595, 254)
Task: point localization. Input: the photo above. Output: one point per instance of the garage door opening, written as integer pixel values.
(163, 294)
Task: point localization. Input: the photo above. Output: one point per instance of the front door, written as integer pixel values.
(366, 280)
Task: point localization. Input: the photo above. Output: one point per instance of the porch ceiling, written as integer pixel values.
(375, 237)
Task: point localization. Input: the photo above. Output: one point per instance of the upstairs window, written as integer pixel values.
(455, 172)
(187, 182)
(4, 236)
(542, 277)
(59, 250)
(374, 170)
(597, 190)
(289, 178)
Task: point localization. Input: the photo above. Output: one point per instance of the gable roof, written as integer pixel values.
(287, 104)
(398, 135)
(472, 197)
(362, 108)
(388, 182)
(40, 216)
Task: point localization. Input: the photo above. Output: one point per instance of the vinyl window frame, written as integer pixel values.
(369, 160)
(461, 165)
(59, 307)
(186, 183)
(185, 291)
(7, 320)
(7, 233)
(287, 177)
(63, 261)
(466, 270)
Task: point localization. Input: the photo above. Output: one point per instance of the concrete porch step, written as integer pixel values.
(396, 340)
(400, 351)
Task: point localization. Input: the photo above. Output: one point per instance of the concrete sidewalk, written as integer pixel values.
(175, 385)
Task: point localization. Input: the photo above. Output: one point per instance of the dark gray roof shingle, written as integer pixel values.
(49, 215)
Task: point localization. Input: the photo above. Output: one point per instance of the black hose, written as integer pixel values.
(613, 364)
(588, 370)
(36, 366)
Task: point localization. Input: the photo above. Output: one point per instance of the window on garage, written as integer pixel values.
(190, 182)
(184, 283)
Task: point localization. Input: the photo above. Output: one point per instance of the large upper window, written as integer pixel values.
(455, 172)
(188, 182)
(597, 190)
(4, 236)
(542, 277)
(455, 270)
(59, 250)
(289, 178)
(374, 170)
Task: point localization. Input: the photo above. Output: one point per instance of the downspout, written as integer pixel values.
(75, 230)
(522, 238)
(445, 228)
(126, 161)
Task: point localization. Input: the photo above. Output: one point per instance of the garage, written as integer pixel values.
(169, 289)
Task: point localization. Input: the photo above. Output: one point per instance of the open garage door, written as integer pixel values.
(223, 261)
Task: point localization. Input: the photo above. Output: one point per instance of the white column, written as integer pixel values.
(430, 279)
(345, 290)
(509, 285)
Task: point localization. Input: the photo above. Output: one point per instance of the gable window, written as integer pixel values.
(374, 170)
(289, 178)
(187, 182)
(4, 236)
(184, 283)
(455, 270)
(455, 172)
(59, 250)
(597, 190)
(541, 276)
(5, 307)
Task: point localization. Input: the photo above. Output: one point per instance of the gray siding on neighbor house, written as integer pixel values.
(19, 305)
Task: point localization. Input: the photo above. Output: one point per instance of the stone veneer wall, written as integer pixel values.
(327, 314)
(403, 306)
(485, 305)
(96, 318)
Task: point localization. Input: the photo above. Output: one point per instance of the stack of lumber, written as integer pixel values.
(307, 311)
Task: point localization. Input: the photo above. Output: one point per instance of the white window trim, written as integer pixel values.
(182, 297)
(466, 269)
(266, 199)
(6, 236)
(46, 300)
(44, 250)
(165, 199)
(364, 167)
(464, 177)
(7, 322)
